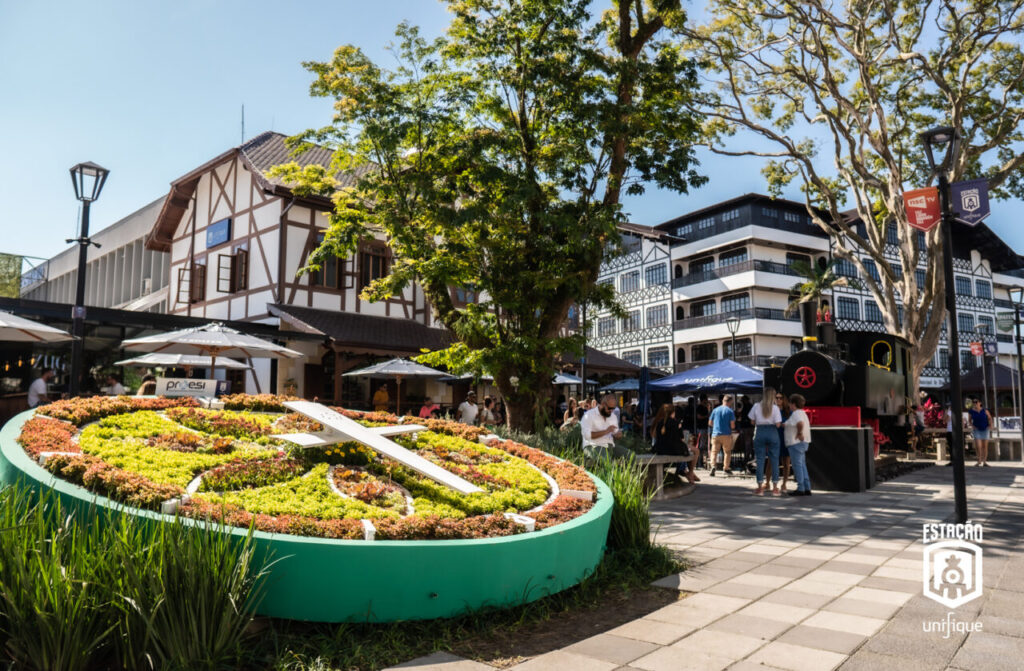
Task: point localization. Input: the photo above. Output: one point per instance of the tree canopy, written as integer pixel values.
(500, 152)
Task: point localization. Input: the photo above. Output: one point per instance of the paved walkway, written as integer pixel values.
(831, 581)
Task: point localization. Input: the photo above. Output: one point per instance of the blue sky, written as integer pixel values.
(151, 90)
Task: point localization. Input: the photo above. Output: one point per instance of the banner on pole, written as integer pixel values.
(977, 349)
(922, 206)
(970, 201)
(991, 348)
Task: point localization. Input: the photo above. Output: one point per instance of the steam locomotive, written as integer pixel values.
(848, 368)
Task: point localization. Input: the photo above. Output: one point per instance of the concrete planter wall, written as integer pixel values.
(326, 580)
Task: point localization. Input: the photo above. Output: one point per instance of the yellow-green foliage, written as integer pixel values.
(309, 496)
(120, 441)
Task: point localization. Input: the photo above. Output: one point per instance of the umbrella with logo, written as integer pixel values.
(396, 369)
(721, 376)
(215, 340)
(18, 329)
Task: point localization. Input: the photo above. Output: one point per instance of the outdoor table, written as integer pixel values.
(658, 461)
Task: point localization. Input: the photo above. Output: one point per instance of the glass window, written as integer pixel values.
(986, 324)
(921, 242)
(706, 352)
(897, 270)
(327, 276)
(944, 358)
(770, 212)
(684, 230)
(732, 258)
(891, 235)
(847, 308)
(871, 312)
(633, 356)
(657, 316)
(681, 355)
(963, 286)
(845, 268)
(373, 264)
(735, 302)
(967, 360)
(792, 217)
(869, 265)
(743, 348)
(606, 326)
(702, 309)
(629, 281)
(657, 357)
(730, 215)
(656, 275)
(983, 289)
(631, 322)
(919, 277)
(793, 257)
(702, 265)
(705, 223)
(965, 322)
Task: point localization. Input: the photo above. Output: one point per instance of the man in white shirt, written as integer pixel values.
(114, 387)
(468, 409)
(600, 428)
(37, 391)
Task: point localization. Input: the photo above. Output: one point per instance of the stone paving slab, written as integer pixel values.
(441, 661)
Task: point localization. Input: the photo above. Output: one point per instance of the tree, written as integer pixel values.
(10, 275)
(837, 93)
(816, 281)
(499, 153)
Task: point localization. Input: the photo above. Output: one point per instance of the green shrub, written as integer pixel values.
(98, 591)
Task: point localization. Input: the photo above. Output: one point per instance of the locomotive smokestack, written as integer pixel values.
(809, 324)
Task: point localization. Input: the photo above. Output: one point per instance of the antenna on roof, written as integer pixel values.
(243, 125)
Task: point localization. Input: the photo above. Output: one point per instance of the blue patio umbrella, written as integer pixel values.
(721, 376)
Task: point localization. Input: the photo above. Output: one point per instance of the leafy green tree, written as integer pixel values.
(835, 94)
(816, 281)
(499, 155)
(10, 275)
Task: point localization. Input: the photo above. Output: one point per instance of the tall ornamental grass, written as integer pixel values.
(101, 591)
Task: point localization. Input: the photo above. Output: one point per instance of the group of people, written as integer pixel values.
(491, 413)
(39, 391)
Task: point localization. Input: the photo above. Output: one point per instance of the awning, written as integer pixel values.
(364, 331)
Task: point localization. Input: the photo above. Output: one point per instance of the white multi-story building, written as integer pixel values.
(733, 260)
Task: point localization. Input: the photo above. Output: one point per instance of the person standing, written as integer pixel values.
(114, 386)
(784, 461)
(703, 411)
(722, 423)
(798, 440)
(600, 428)
(38, 392)
(745, 426)
(468, 410)
(767, 418)
(487, 416)
(981, 421)
(381, 399)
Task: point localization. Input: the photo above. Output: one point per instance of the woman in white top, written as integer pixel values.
(767, 418)
(798, 439)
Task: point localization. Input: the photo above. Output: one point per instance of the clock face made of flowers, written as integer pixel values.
(340, 429)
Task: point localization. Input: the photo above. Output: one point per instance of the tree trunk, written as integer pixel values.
(526, 403)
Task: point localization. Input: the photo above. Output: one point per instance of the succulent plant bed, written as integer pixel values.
(226, 466)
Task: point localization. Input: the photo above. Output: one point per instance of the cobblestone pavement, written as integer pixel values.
(831, 581)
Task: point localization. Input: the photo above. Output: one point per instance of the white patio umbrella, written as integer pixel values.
(397, 369)
(214, 340)
(18, 329)
(180, 360)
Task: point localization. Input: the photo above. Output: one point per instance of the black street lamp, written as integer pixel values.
(941, 146)
(88, 179)
(1017, 298)
(733, 323)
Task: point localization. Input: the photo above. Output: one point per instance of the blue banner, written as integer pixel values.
(970, 201)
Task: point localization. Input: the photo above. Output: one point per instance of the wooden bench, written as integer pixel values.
(658, 462)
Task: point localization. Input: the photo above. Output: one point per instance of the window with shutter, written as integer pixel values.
(197, 283)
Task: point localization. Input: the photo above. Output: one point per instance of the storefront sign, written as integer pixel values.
(1005, 321)
(970, 201)
(183, 386)
(922, 206)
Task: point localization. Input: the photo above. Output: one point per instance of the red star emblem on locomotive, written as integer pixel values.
(804, 377)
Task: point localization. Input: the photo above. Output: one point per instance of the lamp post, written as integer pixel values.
(734, 325)
(88, 179)
(1017, 298)
(941, 146)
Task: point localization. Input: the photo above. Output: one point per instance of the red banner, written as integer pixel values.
(977, 349)
(922, 207)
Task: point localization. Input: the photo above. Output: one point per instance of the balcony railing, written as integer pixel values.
(759, 361)
(748, 313)
(1002, 303)
(733, 269)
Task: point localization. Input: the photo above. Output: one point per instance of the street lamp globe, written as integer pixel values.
(734, 324)
(1017, 296)
(941, 145)
(88, 179)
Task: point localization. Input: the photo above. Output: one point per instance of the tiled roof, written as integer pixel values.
(358, 330)
(601, 362)
(269, 149)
